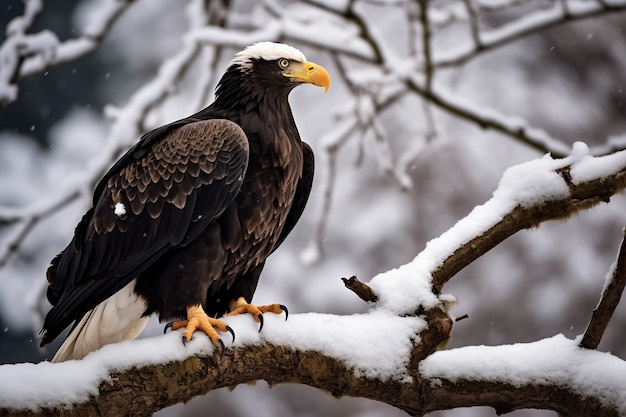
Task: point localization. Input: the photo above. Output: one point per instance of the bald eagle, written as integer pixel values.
(181, 225)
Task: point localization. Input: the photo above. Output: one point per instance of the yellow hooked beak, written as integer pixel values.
(309, 72)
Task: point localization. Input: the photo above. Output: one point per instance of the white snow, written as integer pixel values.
(553, 361)
(220, 36)
(579, 151)
(590, 167)
(403, 290)
(530, 183)
(120, 209)
(498, 120)
(375, 345)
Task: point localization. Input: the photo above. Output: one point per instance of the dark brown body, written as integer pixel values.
(225, 261)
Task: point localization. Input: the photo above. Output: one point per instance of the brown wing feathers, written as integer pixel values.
(170, 193)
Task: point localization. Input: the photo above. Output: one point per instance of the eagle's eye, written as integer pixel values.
(283, 63)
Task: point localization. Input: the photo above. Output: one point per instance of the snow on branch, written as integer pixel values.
(388, 354)
(575, 381)
(418, 73)
(556, 14)
(385, 75)
(528, 194)
(513, 127)
(23, 54)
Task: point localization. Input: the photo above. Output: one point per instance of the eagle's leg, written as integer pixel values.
(241, 306)
(197, 319)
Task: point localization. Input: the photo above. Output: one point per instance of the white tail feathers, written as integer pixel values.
(117, 318)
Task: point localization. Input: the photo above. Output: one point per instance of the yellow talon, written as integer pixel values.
(241, 306)
(197, 319)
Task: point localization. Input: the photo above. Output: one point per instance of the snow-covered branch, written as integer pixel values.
(554, 371)
(532, 23)
(24, 54)
(388, 354)
(333, 353)
(513, 127)
(547, 374)
(529, 194)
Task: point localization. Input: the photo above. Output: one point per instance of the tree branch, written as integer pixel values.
(489, 119)
(362, 290)
(582, 195)
(523, 27)
(23, 54)
(609, 300)
(146, 387)
(26, 220)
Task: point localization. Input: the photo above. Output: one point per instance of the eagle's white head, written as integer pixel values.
(267, 51)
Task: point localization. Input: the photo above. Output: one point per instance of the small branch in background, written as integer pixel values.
(365, 31)
(332, 142)
(362, 290)
(515, 128)
(27, 219)
(611, 294)
(23, 54)
(463, 317)
(498, 5)
(426, 51)
(16, 47)
(526, 25)
(408, 159)
(581, 196)
(565, 7)
(215, 14)
(473, 23)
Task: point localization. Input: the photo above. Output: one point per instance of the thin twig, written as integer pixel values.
(522, 132)
(428, 62)
(217, 14)
(24, 54)
(473, 23)
(27, 222)
(528, 25)
(362, 290)
(609, 300)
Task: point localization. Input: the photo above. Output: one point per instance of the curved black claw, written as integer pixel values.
(221, 347)
(167, 327)
(232, 332)
(282, 307)
(184, 341)
(260, 317)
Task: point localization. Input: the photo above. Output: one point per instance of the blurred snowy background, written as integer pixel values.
(399, 144)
